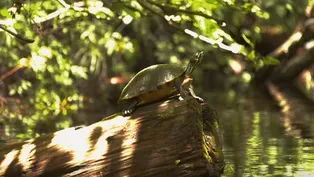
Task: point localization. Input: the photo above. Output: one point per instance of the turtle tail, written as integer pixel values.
(197, 57)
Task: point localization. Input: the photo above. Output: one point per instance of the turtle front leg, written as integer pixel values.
(186, 91)
(128, 107)
(191, 92)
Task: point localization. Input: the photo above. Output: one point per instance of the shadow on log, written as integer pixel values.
(171, 138)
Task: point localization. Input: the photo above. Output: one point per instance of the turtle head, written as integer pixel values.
(197, 57)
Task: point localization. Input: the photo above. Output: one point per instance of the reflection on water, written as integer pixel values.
(256, 142)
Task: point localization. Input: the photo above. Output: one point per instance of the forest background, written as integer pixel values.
(64, 63)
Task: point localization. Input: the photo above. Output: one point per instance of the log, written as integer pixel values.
(170, 138)
(288, 52)
(295, 109)
(293, 68)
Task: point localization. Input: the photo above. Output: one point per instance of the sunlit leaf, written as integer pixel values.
(64, 124)
(37, 63)
(79, 71)
(25, 62)
(110, 45)
(251, 55)
(45, 52)
(271, 61)
(247, 40)
(127, 19)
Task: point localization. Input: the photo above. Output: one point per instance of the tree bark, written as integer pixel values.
(170, 138)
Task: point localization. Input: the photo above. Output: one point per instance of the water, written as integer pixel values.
(260, 141)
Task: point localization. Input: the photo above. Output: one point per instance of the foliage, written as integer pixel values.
(51, 49)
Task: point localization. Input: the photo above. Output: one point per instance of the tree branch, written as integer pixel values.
(173, 24)
(64, 4)
(77, 6)
(220, 44)
(12, 71)
(294, 38)
(16, 35)
(133, 9)
(185, 11)
(309, 10)
(297, 34)
(294, 66)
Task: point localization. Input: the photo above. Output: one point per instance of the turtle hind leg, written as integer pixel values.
(129, 107)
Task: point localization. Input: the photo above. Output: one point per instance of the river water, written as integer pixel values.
(259, 140)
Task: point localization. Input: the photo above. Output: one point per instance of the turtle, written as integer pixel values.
(158, 82)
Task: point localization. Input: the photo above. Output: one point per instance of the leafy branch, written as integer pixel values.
(175, 25)
(167, 8)
(132, 8)
(305, 23)
(18, 36)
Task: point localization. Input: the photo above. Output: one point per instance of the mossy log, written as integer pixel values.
(171, 138)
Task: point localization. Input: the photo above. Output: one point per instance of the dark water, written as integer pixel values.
(260, 141)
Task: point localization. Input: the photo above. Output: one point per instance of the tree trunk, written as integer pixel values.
(171, 138)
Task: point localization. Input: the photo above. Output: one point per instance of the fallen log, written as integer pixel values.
(295, 109)
(171, 138)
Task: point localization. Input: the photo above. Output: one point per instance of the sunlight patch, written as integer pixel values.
(26, 157)
(9, 157)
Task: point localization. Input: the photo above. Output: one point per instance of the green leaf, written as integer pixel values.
(79, 71)
(271, 61)
(247, 40)
(4, 13)
(251, 55)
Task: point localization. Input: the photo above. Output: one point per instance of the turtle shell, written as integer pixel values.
(151, 79)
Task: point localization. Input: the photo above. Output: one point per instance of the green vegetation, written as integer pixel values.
(64, 63)
(59, 57)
